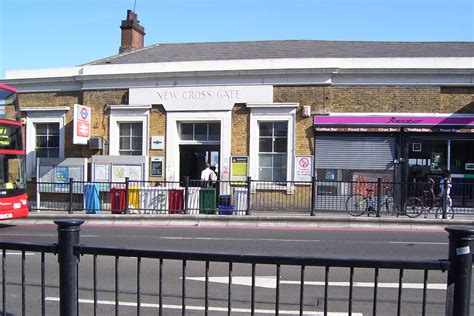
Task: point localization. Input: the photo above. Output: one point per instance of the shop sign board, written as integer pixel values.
(395, 120)
(358, 129)
(303, 168)
(81, 124)
(239, 168)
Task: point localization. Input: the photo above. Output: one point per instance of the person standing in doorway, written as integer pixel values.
(208, 175)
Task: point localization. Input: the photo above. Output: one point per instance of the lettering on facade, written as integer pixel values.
(394, 120)
(230, 94)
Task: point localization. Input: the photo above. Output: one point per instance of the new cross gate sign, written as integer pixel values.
(82, 124)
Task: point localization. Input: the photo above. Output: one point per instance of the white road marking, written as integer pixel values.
(270, 283)
(201, 308)
(46, 235)
(18, 253)
(238, 239)
(418, 242)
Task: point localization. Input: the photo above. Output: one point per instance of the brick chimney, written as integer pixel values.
(132, 33)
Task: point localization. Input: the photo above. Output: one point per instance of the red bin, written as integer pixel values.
(117, 200)
(176, 201)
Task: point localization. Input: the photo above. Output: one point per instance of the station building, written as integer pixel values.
(354, 110)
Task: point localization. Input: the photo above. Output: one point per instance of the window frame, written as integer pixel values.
(35, 115)
(272, 112)
(131, 136)
(127, 114)
(48, 135)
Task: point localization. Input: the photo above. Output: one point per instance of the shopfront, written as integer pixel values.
(398, 147)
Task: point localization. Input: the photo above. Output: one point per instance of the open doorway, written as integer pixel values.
(193, 158)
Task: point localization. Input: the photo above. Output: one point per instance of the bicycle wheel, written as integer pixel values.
(356, 205)
(449, 212)
(413, 207)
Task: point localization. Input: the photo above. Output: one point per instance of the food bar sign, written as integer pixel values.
(82, 124)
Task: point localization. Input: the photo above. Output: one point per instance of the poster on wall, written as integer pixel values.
(239, 168)
(132, 172)
(303, 168)
(435, 165)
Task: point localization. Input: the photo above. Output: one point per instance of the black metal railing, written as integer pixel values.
(236, 198)
(72, 256)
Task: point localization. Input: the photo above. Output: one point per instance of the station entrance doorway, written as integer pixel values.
(193, 158)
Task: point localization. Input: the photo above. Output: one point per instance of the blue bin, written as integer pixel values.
(224, 200)
(226, 210)
(91, 198)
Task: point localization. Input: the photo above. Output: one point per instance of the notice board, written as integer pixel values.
(53, 174)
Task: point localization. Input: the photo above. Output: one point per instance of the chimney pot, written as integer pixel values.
(132, 33)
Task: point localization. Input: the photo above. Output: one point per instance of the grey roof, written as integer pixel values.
(288, 49)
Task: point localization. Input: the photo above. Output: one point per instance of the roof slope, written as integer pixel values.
(289, 49)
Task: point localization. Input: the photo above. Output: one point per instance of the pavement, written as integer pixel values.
(267, 219)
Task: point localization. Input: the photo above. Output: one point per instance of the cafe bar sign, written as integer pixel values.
(435, 123)
(204, 98)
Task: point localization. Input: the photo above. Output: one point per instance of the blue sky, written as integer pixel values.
(66, 33)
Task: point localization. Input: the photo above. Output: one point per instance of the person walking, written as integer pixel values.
(445, 185)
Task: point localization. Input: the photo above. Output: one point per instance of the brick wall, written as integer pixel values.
(457, 99)
(98, 100)
(321, 99)
(240, 130)
(46, 99)
(158, 128)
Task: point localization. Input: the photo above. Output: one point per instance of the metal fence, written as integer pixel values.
(73, 256)
(233, 198)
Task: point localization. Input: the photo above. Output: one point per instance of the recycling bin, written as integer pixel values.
(207, 201)
(117, 200)
(226, 210)
(193, 200)
(133, 199)
(91, 198)
(240, 200)
(154, 200)
(176, 201)
(224, 200)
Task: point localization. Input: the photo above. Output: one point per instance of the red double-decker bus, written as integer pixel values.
(13, 199)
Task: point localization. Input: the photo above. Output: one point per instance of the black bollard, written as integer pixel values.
(68, 236)
(458, 294)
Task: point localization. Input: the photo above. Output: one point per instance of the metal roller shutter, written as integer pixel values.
(355, 152)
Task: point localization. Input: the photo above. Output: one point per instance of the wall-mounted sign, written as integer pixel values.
(303, 168)
(204, 98)
(157, 142)
(398, 120)
(81, 124)
(239, 168)
(156, 166)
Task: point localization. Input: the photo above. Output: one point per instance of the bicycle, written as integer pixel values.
(358, 204)
(415, 206)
